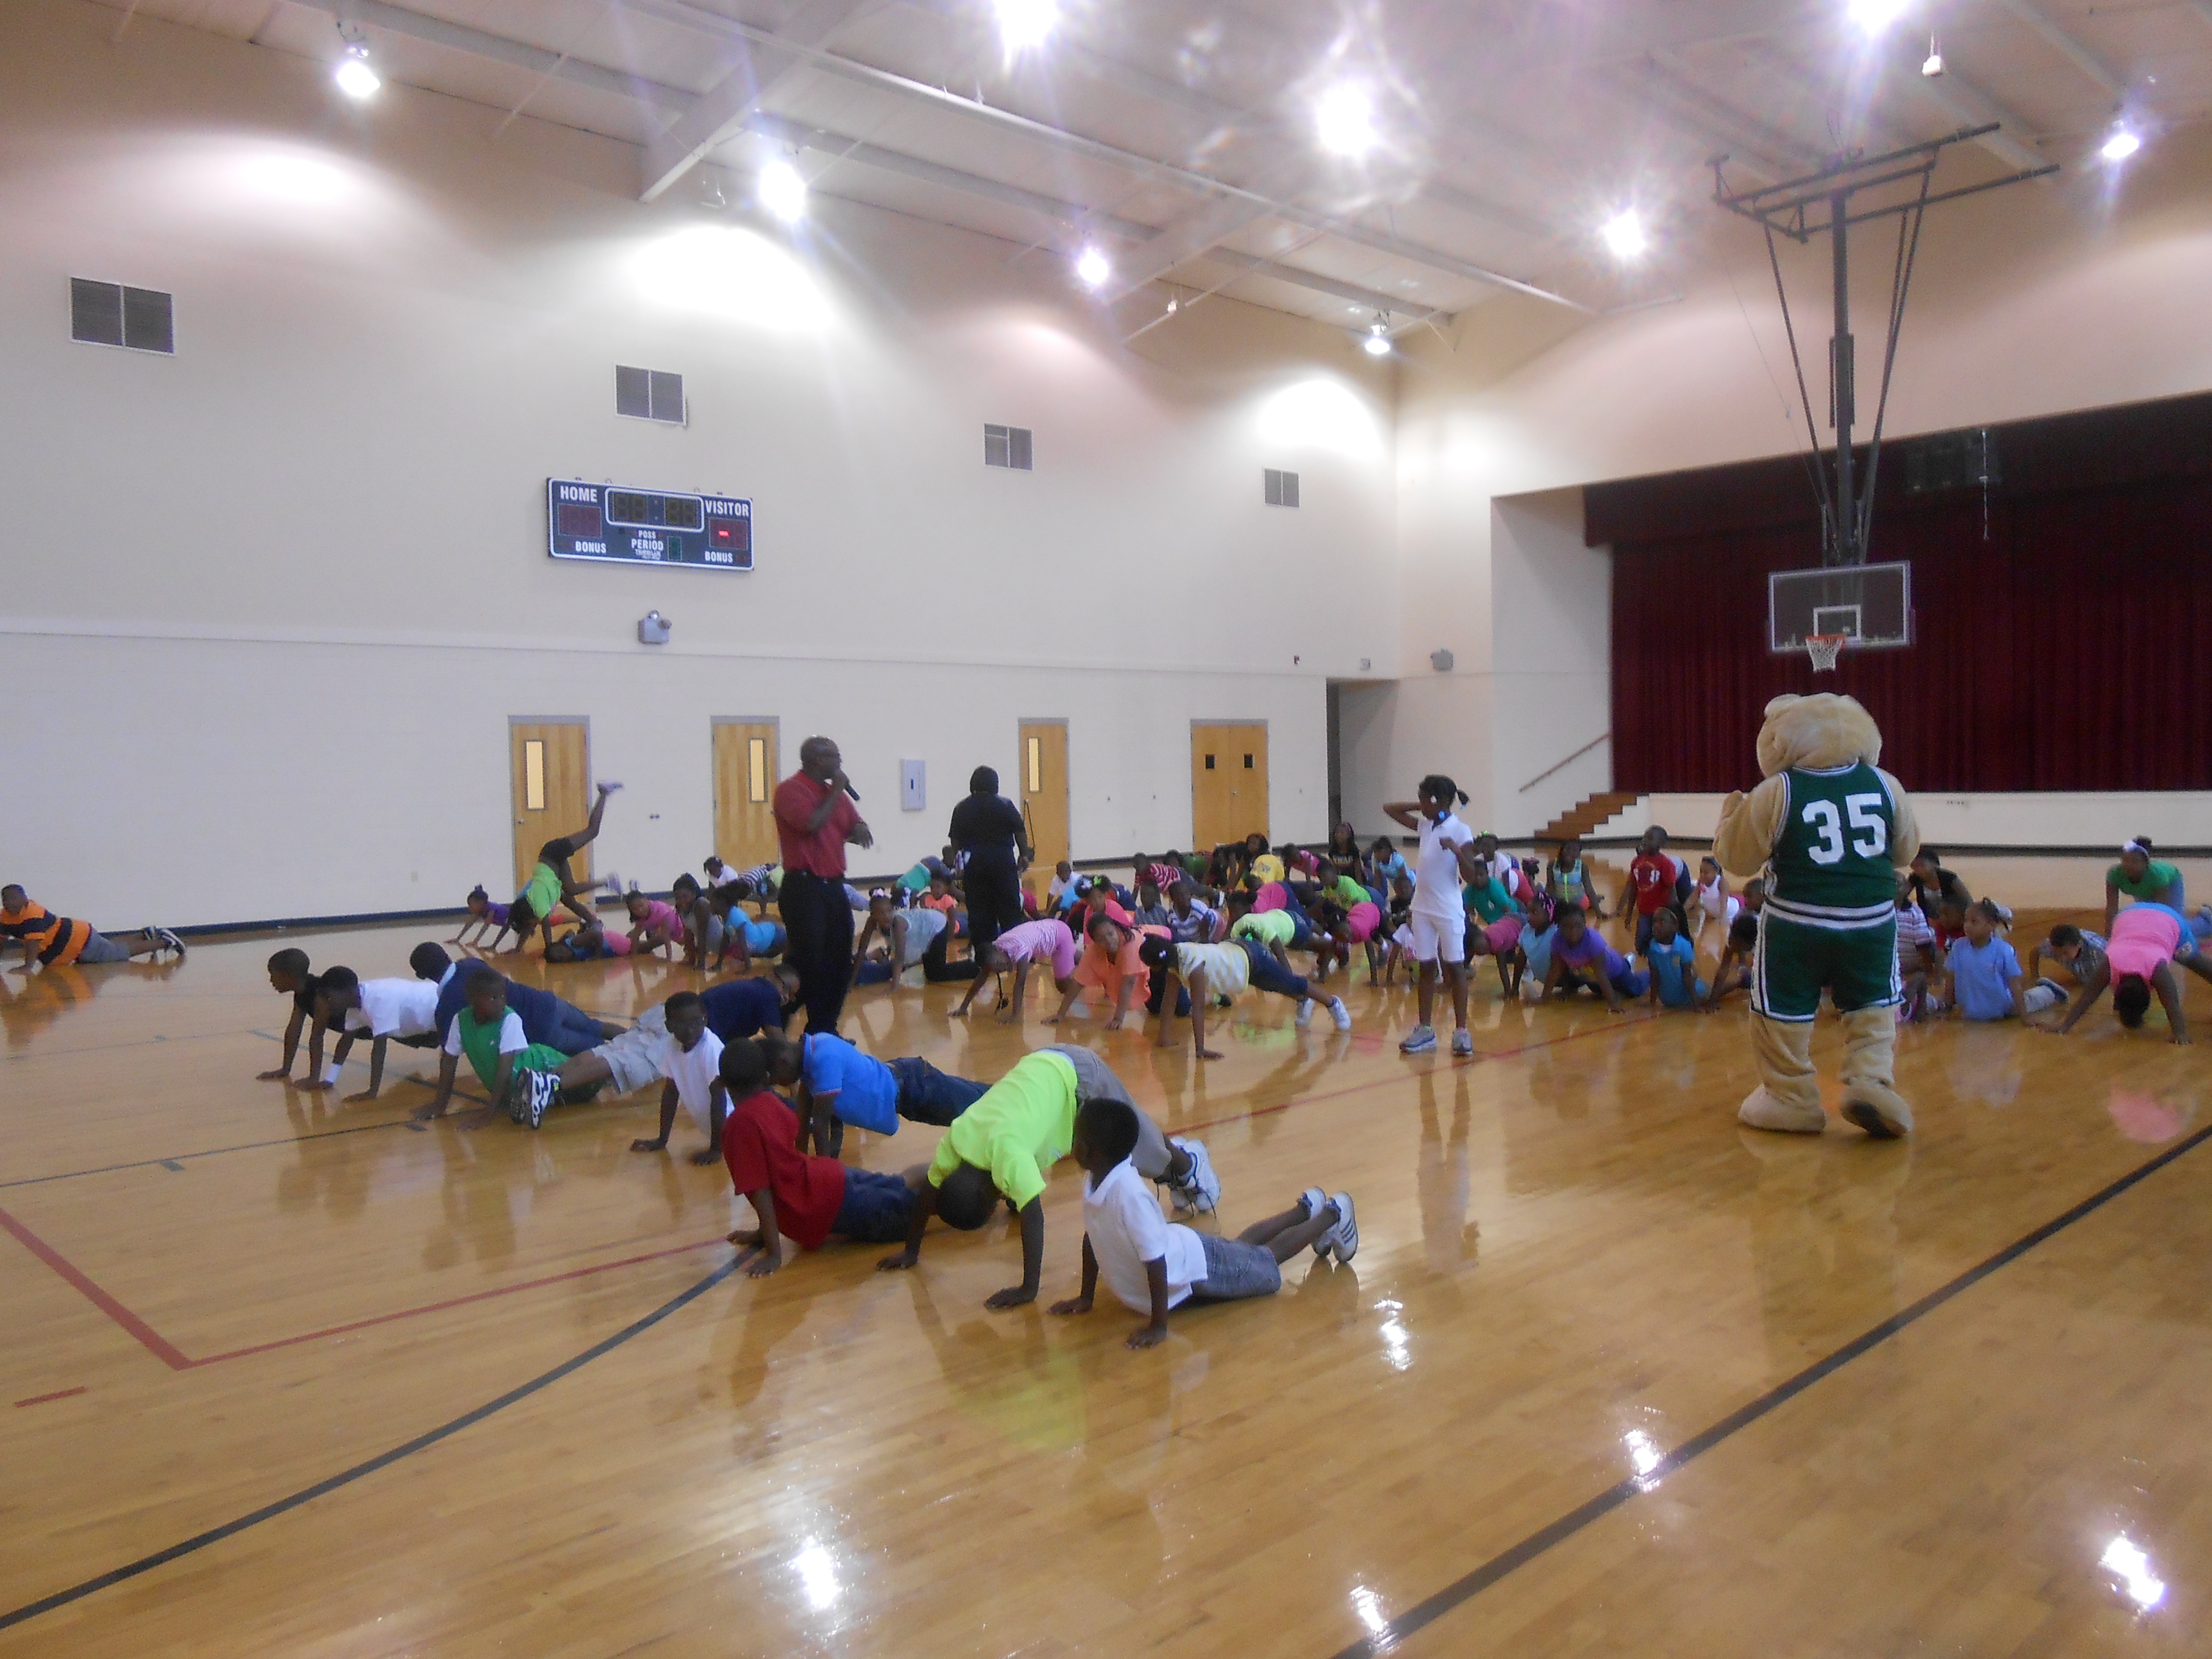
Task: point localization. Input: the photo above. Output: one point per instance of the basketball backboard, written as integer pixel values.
(1869, 604)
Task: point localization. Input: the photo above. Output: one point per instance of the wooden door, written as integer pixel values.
(744, 780)
(1228, 783)
(551, 771)
(1044, 796)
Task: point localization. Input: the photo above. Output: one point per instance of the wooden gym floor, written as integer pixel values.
(1609, 1375)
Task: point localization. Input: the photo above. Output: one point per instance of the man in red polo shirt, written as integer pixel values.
(814, 820)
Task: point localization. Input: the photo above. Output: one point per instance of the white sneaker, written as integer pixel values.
(1201, 1188)
(1305, 1013)
(1462, 1042)
(1314, 1200)
(1340, 1014)
(1343, 1239)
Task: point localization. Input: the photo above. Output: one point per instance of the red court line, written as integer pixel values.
(457, 1301)
(59, 1394)
(148, 1337)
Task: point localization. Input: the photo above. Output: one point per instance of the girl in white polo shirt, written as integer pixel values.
(1438, 922)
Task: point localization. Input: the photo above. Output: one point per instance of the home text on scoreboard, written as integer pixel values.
(614, 524)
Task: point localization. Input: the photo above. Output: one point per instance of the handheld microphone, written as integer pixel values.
(854, 793)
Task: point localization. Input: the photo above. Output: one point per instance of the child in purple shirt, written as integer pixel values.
(1582, 961)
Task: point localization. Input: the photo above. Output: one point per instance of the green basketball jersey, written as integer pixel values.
(1831, 865)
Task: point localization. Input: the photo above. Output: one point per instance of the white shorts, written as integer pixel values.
(1438, 939)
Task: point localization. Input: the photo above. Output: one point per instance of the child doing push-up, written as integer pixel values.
(1153, 1264)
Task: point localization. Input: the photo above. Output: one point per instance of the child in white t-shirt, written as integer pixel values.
(1437, 922)
(1153, 1264)
(693, 1062)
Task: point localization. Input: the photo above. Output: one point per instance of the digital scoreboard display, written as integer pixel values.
(613, 524)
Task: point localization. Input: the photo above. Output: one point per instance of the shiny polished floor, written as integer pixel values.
(1609, 1376)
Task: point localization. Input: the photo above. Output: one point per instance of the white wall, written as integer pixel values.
(2028, 301)
(298, 569)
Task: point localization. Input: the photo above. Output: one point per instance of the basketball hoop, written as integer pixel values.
(1823, 649)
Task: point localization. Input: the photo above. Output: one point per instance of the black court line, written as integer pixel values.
(171, 1161)
(1466, 1588)
(383, 1460)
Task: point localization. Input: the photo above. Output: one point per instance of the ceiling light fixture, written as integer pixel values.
(1932, 65)
(1344, 121)
(1092, 268)
(1875, 15)
(353, 73)
(1623, 235)
(1377, 342)
(2121, 144)
(1025, 25)
(783, 191)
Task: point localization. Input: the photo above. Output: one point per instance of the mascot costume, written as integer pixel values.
(1832, 831)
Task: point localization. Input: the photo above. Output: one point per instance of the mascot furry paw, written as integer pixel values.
(1831, 830)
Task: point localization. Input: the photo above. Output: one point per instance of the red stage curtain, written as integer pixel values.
(2065, 642)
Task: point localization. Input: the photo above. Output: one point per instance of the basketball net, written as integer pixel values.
(1823, 649)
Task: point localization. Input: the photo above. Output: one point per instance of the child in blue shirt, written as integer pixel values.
(1986, 980)
(1673, 961)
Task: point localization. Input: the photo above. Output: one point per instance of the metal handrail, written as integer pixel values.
(1564, 764)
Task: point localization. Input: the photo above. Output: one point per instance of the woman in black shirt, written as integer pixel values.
(989, 830)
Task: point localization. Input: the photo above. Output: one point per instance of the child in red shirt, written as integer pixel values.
(803, 1198)
(1653, 877)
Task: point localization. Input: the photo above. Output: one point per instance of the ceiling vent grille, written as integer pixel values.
(1006, 446)
(1281, 488)
(108, 313)
(649, 394)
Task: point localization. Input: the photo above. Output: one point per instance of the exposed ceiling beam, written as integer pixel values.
(1186, 237)
(1670, 67)
(1366, 298)
(1690, 114)
(1808, 81)
(398, 19)
(1094, 149)
(1962, 101)
(841, 148)
(2067, 46)
(722, 109)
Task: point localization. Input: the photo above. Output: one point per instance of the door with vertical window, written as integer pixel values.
(744, 781)
(551, 773)
(1228, 783)
(1044, 796)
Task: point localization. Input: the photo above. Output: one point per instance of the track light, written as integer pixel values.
(1025, 25)
(1623, 235)
(353, 73)
(1092, 268)
(1875, 15)
(2121, 144)
(783, 191)
(1344, 121)
(1377, 342)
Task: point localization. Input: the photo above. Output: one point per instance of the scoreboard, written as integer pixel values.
(614, 524)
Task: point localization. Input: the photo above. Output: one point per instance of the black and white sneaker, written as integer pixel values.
(170, 939)
(1201, 1188)
(544, 1092)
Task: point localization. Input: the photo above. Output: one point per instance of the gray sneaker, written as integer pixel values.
(1418, 1041)
(1305, 1016)
(1462, 1042)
